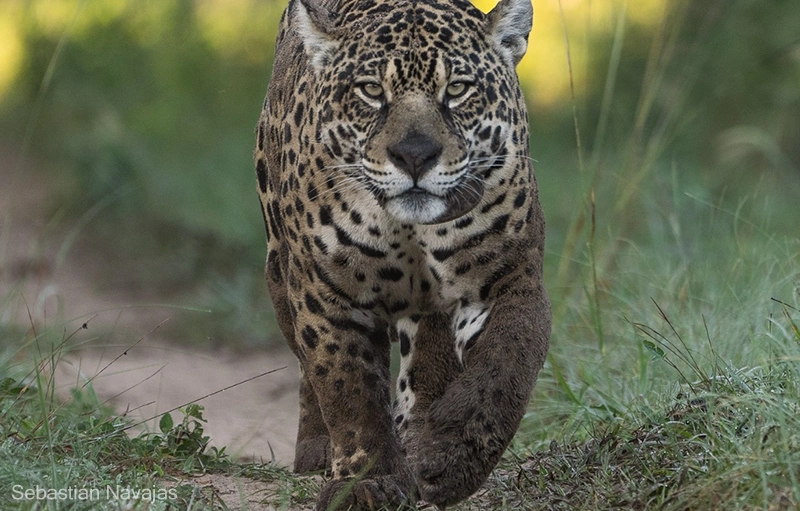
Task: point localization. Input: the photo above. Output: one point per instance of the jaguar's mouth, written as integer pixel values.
(418, 205)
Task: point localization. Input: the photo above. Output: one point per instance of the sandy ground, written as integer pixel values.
(150, 373)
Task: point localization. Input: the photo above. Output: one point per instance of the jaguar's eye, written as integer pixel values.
(372, 90)
(456, 89)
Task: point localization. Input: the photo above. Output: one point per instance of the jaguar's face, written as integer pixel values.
(418, 107)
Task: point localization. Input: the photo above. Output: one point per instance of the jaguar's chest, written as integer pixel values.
(370, 261)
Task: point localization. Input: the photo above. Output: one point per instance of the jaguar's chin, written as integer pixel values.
(418, 206)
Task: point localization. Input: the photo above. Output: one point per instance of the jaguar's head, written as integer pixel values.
(418, 101)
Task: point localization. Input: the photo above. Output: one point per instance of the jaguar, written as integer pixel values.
(400, 204)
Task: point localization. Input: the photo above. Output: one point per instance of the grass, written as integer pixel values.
(77, 444)
(690, 401)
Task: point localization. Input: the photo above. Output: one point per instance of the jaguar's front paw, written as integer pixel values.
(458, 448)
(312, 455)
(448, 469)
(379, 492)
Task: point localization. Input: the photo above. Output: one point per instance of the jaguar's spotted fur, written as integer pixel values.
(400, 204)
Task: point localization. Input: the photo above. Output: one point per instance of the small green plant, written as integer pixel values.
(185, 441)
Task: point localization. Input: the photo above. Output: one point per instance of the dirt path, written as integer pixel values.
(255, 420)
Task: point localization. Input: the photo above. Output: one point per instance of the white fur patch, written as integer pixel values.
(468, 322)
(318, 45)
(405, 395)
(416, 209)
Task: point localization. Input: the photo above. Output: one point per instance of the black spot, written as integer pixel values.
(312, 192)
(299, 206)
(491, 94)
(499, 224)
(298, 113)
(371, 380)
(310, 337)
(352, 349)
(261, 173)
(355, 217)
(306, 243)
(274, 266)
(287, 133)
(325, 216)
(403, 385)
(349, 325)
(499, 200)
(463, 222)
(520, 199)
(463, 268)
(442, 253)
(495, 145)
(262, 134)
(333, 286)
(333, 145)
(321, 245)
(313, 305)
(390, 273)
(332, 348)
(321, 371)
(338, 385)
(498, 274)
(405, 344)
(398, 419)
(472, 340)
(368, 356)
(398, 306)
(486, 258)
(273, 215)
(368, 251)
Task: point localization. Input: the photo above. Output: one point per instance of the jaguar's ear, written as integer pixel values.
(316, 28)
(508, 25)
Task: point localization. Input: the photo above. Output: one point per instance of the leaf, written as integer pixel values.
(165, 424)
(652, 348)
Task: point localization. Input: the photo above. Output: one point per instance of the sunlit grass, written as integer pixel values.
(247, 28)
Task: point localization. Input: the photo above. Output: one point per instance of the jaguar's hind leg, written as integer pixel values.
(312, 451)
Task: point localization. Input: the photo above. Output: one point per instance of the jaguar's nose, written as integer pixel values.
(415, 154)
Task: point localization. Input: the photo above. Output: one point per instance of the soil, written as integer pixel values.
(131, 362)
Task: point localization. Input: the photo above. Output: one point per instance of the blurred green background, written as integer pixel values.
(141, 112)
